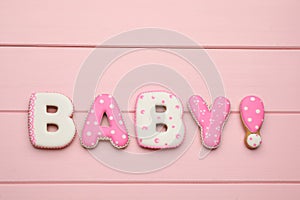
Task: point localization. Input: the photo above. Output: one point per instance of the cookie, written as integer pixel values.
(149, 119)
(116, 132)
(211, 121)
(39, 119)
(252, 116)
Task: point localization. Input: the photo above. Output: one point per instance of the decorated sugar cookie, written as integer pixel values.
(211, 121)
(148, 118)
(39, 119)
(252, 115)
(116, 132)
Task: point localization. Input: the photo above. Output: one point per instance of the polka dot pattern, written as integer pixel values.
(254, 115)
(211, 120)
(253, 140)
(31, 119)
(147, 118)
(92, 131)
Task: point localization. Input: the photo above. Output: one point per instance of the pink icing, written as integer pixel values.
(116, 132)
(252, 113)
(31, 119)
(211, 120)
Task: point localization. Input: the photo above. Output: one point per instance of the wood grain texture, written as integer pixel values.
(272, 75)
(150, 191)
(255, 46)
(274, 161)
(224, 23)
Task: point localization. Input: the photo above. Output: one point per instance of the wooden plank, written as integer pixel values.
(272, 75)
(250, 23)
(150, 191)
(276, 160)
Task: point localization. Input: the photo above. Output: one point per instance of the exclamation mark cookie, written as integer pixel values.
(252, 115)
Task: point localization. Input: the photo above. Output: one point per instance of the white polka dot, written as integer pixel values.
(245, 108)
(111, 106)
(249, 119)
(88, 122)
(95, 123)
(120, 122)
(101, 101)
(88, 133)
(117, 142)
(112, 131)
(109, 96)
(92, 111)
(124, 136)
(257, 111)
(93, 144)
(202, 120)
(252, 99)
(256, 127)
(99, 133)
(111, 117)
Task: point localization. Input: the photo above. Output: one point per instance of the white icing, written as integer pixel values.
(147, 118)
(66, 128)
(254, 140)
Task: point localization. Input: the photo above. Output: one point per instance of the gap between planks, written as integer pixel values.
(173, 182)
(154, 46)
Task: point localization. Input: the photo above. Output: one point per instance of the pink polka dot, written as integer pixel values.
(173, 126)
(170, 118)
(254, 145)
(250, 138)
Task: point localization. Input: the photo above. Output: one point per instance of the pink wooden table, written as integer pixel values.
(254, 44)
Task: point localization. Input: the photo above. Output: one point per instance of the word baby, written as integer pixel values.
(147, 118)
